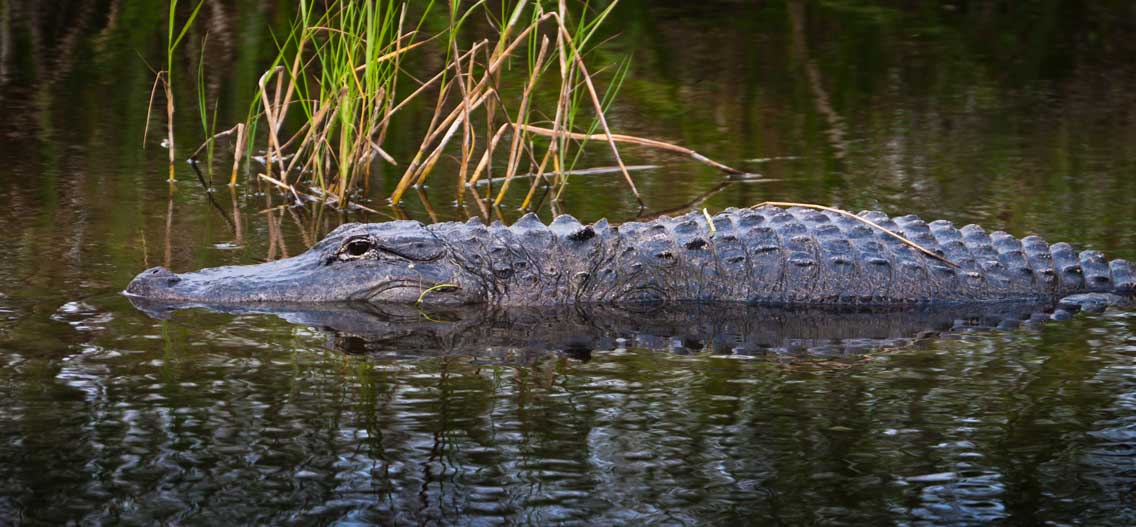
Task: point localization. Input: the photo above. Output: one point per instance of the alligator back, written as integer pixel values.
(772, 255)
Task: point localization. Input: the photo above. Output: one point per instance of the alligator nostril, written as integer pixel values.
(171, 281)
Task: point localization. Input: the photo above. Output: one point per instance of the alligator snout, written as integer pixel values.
(151, 281)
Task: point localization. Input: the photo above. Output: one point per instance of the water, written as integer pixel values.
(1015, 117)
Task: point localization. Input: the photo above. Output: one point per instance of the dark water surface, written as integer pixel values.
(1018, 117)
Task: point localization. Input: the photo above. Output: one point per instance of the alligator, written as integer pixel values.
(767, 255)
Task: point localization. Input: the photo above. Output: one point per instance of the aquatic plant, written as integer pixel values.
(324, 107)
(165, 77)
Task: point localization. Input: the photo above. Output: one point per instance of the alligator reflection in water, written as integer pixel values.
(721, 328)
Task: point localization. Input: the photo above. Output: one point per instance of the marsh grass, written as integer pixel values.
(164, 78)
(208, 120)
(522, 94)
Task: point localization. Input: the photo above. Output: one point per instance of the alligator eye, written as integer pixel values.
(356, 248)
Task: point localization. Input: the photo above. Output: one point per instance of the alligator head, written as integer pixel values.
(398, 261)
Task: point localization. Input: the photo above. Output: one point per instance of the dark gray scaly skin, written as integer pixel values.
(764, 256)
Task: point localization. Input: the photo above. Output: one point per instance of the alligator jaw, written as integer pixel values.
(300, 280)
(290, 279)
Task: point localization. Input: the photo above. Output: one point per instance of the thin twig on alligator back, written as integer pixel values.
(918, 247)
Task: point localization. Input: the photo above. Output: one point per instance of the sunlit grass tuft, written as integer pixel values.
(328, 102)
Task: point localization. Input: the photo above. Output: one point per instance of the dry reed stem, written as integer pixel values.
(469, 140)
(498, 60)
(484, 163)
(271, 209)
(454, 120)
(494, 64)
(425, 84)
(536, 180)
(394, 54)
(466, 108)
(438, 104)
(238, 151)
(522, 117)
(169, 123)
(278, 112)
(596, 103)
(562, 103)
(490, 125)
(315, 131)
(288, 94)
(863, 220)
(594, 171)
(412, 169)
(211, 139)
(443, 126)
(560, 142)
(269, 115)
(300, 131)
(568, 75)
(428, 166)
(651, 143)
(383, 153)
(282, 185)
(454, 114)
(150, 107)
(323, 197)
(480, 203)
